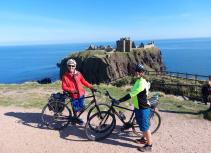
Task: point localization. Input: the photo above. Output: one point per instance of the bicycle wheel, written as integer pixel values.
(97, 108)
(155, 121)
(100, 125)
(135, 128)
(56, 115)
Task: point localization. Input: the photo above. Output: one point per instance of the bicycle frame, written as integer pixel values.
(118, 115)
(93, 101)
(112, 109)
(106, 121)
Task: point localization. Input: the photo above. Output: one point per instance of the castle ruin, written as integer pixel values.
(124, 45)
(150, 45)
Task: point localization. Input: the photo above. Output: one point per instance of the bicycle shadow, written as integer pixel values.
(121, 138)
(34, 120)
(28, 119)
(116, 138)
(76, 132)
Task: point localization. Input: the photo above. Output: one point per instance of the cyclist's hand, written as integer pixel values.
(115, 102)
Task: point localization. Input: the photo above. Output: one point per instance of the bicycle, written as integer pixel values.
(101, 124)
(57, 115)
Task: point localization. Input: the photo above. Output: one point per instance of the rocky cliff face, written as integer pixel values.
(100, 66)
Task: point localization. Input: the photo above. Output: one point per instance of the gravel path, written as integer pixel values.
(20, 132)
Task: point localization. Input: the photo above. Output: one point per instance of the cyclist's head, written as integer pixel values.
(71, 62)
(140, 68)
(71, 65)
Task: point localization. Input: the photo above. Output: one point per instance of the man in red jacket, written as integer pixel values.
(73, 82)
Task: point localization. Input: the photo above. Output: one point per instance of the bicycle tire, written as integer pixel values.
(96, 108)
(97, 132)
(155, 122)
(153, 115)
(58, 117)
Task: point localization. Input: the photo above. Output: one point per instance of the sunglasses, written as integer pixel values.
(71, 65)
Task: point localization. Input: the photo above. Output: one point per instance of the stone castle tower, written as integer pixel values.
(124, 45)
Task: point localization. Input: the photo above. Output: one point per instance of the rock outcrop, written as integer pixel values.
(44, 81)
(100, 66)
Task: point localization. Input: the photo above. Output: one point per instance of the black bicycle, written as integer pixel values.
(101, 124)
(56, 114)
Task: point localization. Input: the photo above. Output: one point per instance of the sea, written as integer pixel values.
(22, 63)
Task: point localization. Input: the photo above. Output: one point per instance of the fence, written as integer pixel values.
(187, 76)
(190, 86)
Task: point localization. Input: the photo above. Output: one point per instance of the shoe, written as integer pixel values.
(140, 141)
(145, 148)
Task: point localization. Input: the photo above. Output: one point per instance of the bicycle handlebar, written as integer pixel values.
(155, 97)
(113, 100)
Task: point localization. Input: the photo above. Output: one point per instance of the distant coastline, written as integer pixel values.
(34, 62)
(10, 44)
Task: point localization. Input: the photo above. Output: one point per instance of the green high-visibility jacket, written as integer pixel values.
(139, 93)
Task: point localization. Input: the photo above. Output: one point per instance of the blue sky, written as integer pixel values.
(69, 21)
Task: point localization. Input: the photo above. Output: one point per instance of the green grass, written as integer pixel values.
(89, 53)
(183, 107)
(28, 95)
(103, 53)
(29, 101)
(33, 95)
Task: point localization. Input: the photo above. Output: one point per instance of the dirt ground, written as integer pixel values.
(21, 132)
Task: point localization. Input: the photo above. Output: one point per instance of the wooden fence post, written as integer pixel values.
(186, 76)
(195, 79)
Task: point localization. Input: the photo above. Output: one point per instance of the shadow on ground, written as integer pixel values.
(117, 138)
(29, 119)
(74, 132)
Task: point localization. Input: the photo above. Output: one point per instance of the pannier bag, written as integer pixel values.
(56, 102)
(153, 101)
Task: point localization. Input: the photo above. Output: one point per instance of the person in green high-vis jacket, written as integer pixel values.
(138, 95)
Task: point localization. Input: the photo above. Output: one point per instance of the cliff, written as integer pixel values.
(99, 66)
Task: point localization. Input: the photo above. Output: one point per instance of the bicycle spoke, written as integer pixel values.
(100, 125)
(155, 122)
(56, 116)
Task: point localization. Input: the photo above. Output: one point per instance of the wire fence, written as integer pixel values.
(187, 76)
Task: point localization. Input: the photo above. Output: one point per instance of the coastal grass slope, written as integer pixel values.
(34, 95)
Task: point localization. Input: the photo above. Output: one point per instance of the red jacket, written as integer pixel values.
(74, 83)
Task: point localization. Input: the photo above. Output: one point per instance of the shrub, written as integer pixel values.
(122, 82)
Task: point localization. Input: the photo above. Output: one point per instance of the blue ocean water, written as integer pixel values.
(19, 64)
(34, 62)
(187, 55)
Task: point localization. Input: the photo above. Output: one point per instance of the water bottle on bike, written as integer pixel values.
(122, 115)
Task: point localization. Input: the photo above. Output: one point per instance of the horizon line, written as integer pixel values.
(90, 42)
